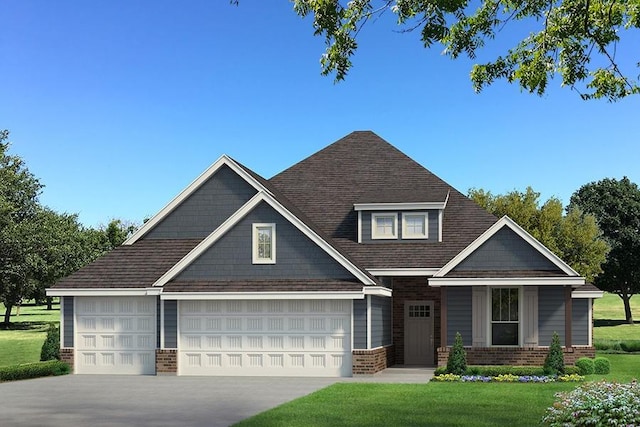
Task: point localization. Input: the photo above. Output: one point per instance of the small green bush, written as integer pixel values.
(585, 365)
(554, 362)
(630, 346)
(496, 370)
(610, 346)
(34, 370)
(51, 347)
(457, 360)
(596, 404)
(571, 370)
(601, 365)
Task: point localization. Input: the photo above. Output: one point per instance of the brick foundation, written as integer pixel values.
(372, 361)
(166, 362)
(515, 356)
(67, 356)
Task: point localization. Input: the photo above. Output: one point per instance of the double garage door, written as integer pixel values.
(118, 335)
(265, 338)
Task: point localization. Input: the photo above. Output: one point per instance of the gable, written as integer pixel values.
(206, 208)
(505, 251)
(230, 257)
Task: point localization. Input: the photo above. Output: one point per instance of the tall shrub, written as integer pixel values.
(554, 362)
(51, 347)
(457, 360)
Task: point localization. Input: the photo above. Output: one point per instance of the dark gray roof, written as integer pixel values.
(326, 185)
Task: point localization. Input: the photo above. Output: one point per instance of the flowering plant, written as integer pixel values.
(508, 378)
(447, 377)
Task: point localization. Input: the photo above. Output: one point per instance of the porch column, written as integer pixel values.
(568, 316)
(443, 316)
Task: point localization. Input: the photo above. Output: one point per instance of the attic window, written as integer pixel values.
(384, 226)
(414, 226)
(264, 243)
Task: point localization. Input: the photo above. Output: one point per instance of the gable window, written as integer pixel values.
(414, 226)
(264, 243)
(384, 226)
(504, 316)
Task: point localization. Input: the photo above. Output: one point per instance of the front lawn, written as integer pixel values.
(608, 318)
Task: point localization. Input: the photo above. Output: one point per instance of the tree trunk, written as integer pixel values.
(7, 315)
(626, 299)
(49, 303)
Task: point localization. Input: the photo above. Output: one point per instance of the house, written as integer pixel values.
(351, 260)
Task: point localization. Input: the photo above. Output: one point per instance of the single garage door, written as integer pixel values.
(115, 335)
(265, 338)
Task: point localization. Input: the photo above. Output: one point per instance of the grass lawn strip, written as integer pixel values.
(608, 317)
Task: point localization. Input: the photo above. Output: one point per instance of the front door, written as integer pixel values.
(418, 333)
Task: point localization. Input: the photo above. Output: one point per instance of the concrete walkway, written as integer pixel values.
(111, 400)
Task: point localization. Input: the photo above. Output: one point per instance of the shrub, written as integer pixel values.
(554, 362)
(33, 370)
(494, 371)
(601, 365)
(51, 347)
(610, 346)
(570, 370)
(596, 404)
(585, 365)
(457, 360)
(440, 371)
(631, 346)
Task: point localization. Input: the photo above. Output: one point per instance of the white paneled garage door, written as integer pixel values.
(115, 335)
(265, 338)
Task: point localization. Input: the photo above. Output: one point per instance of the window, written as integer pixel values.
(414, 226)
(504, 316)
(384, 226)
(264, 243)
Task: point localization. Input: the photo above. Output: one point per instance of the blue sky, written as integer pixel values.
(116, 105)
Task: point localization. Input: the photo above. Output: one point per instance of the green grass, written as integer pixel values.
(23, 341)
(609, 321)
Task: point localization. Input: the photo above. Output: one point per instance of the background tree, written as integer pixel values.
(616, 205)
(575, 39)
(574, 237)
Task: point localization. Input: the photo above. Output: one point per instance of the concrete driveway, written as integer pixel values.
(105, 400)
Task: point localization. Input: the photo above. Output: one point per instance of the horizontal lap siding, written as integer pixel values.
(380, 321)
(580, 321)
(170, 324)
(297, 257)
(360, 324)
(459, 314)
(550, 314)
(67, 316)
(204, 210)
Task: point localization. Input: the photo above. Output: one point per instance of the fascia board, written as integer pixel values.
(506, 281)
(377, 291)
(79, 292)
(587, 294)
(506, 221)
(403, 271)
(399, 206)
(190, 189)
(260, 295)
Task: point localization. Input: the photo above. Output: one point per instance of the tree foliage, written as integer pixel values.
(574, 237)
(457, 360)
(554, 361)
(575, 39)
(616, 206)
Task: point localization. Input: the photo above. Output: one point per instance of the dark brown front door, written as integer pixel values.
(418, 333)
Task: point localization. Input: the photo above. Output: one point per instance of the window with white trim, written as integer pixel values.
(384, 226)
(414, 225)
(505, 324)
(264, 243)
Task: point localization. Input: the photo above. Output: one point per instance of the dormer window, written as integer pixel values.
(414, 225)
(384, 226)
(264, 243)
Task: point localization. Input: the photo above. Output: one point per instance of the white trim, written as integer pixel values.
(425, 224)
(403, 271)
(61, 327)
(103, 292)
(508, 222)
(590, 315)
(368, 321)
(241, 213)
(374, 233)
(359, 226)
(255, 243)
(161, 324)
(440, 220)
(505, 281)
(75, 333)
(586, 294)
(378, 291)
(190, 189)
(260, 295)
(400, 206)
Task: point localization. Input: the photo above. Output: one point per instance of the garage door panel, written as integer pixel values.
(115, 335)
(297, 337)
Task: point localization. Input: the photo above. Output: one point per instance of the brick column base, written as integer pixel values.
(166, 362)
(67, 356)
(372, 361)
(519, 356)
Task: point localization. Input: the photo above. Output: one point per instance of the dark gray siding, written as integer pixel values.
(170, 324)
(158, 324)
(67, 316)
(432, 219)
(360, 324)
(297, 257)
(202, 212)
(505, 250)
(550, 314)
(459, 314)
(580, 321)
(380, 321)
